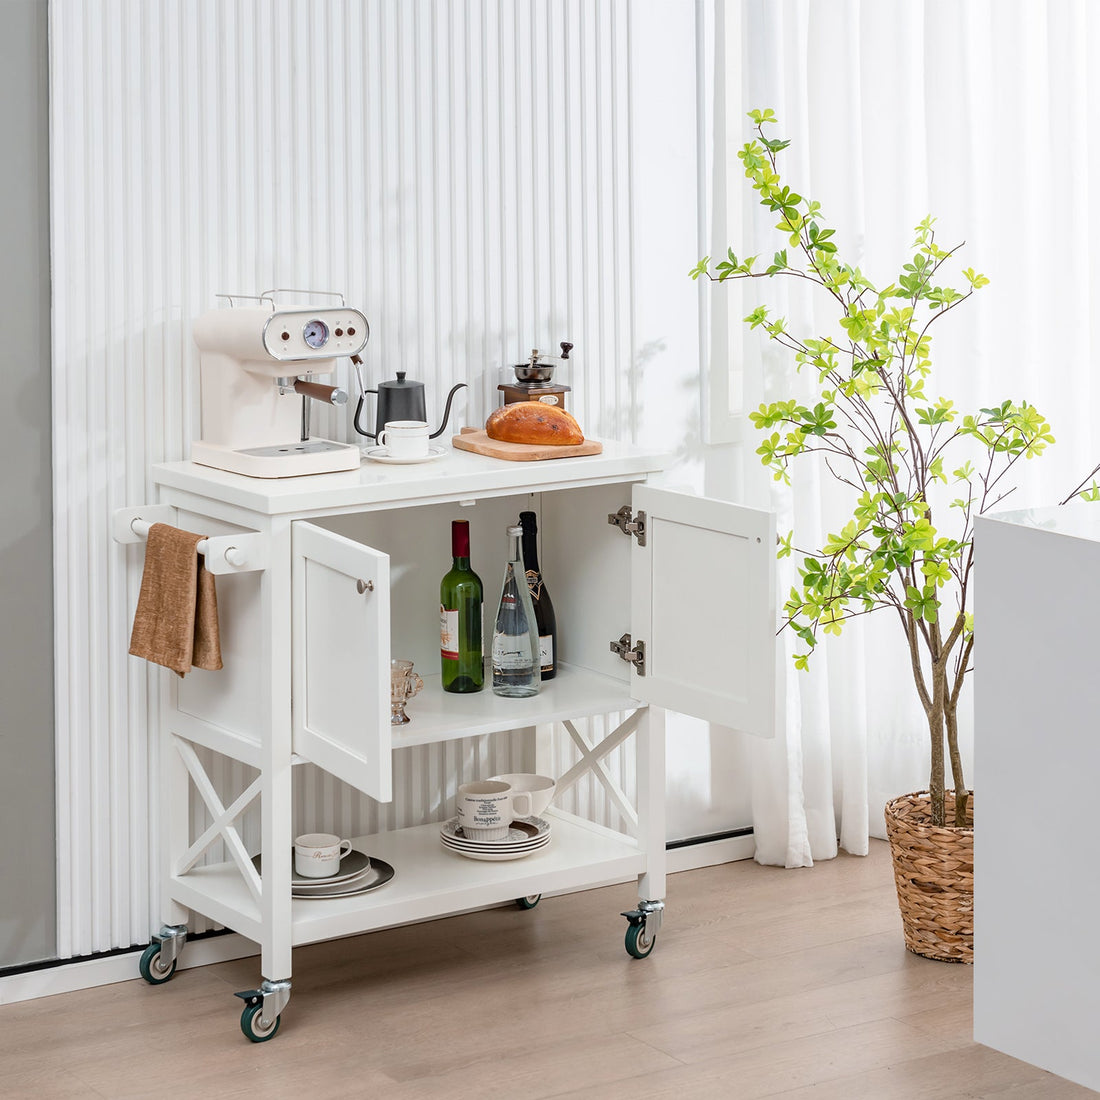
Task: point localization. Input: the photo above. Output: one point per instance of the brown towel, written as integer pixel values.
(176, 621)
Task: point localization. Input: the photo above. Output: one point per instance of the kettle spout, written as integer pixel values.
(447, 410)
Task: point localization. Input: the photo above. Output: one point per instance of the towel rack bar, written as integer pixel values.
(238, 553)
(232, 554)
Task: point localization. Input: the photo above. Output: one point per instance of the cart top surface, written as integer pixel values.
(457, 475)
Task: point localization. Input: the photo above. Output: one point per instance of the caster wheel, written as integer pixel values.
(255, 1027)
(638, 942)
(152, 965)
(529, 902)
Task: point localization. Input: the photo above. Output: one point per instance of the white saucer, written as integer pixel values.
(378, 874)
(522, 833)
(354, 865)
(382, 454)
(466, 846)
(475, 852)
(526, 835)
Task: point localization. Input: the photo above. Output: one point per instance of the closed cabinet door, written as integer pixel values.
(703, 605)
(341, 643)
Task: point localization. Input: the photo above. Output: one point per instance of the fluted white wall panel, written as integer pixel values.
(460, 169)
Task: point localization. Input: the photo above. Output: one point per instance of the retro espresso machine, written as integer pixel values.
(258, 364)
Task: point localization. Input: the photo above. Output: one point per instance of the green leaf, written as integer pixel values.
(758, 317)
(766, 115)
(700, 268)
(923, 602)
(819, 421)
(936, 572)
(974, 279)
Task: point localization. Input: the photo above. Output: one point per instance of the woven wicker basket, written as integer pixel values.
(934, 875)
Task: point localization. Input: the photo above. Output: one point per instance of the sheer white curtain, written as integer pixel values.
(984, 114)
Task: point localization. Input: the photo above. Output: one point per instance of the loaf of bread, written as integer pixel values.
(533, 422)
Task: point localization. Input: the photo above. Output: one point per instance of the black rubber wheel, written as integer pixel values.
(638, 943)
(529, 902)
(254, 1027)
(152, 965)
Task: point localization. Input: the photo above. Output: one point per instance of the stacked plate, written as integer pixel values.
(358, 873)
(526, 835)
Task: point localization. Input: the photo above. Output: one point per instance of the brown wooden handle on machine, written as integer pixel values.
(330, 395)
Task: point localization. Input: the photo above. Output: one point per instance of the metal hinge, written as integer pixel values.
(629, 523)
(634, 654)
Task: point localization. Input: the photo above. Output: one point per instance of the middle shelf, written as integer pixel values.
(437, 715)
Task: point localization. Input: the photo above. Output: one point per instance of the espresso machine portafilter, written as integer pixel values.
(257, 366)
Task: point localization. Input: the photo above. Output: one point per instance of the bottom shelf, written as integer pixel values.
(429, 881)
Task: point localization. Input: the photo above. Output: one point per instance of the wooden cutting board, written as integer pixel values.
(472, 439)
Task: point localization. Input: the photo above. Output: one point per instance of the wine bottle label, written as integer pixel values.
(534, 583)
(511, 652)
(546, 652)
(448, 633)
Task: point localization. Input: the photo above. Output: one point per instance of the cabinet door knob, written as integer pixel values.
(364, 586)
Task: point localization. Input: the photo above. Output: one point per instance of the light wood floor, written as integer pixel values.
(764, 982)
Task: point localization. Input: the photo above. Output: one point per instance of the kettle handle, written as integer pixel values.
(359, 409)
(447, 410)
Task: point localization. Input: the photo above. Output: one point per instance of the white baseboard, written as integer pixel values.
(88, 973)
(710, 853)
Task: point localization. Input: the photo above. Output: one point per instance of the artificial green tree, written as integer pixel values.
(918, 472)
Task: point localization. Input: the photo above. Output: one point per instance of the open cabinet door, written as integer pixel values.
(341, 660)
(703, 604)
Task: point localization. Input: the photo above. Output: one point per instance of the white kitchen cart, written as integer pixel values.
(664, 600)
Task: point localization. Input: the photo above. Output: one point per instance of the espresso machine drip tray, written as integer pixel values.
(290, 459)
(309, 447)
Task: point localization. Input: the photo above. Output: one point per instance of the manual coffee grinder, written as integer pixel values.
(534, 379)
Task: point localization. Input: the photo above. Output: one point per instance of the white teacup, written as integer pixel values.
(540, 788)
(405, 438)
(486, 808)
(318, 855)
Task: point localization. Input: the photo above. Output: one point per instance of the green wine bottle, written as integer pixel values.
(460, 598)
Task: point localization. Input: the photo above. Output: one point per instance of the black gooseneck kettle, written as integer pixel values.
(400, 399)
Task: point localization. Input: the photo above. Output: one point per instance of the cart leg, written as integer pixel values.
(645, 922)
(159, 960)
(651, 801)
(260, 1019)
(175, 801)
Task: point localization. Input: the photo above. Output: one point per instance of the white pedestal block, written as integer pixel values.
(1037, 782)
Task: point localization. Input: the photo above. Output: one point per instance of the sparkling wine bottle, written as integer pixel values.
(540, 597)
(460, 600)
(516, 635)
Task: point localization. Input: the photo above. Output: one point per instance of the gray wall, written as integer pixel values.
(27, 854)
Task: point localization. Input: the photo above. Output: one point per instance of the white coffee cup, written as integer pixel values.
(486, 808)
(405, 438)
(318, 855)
(540, 788)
